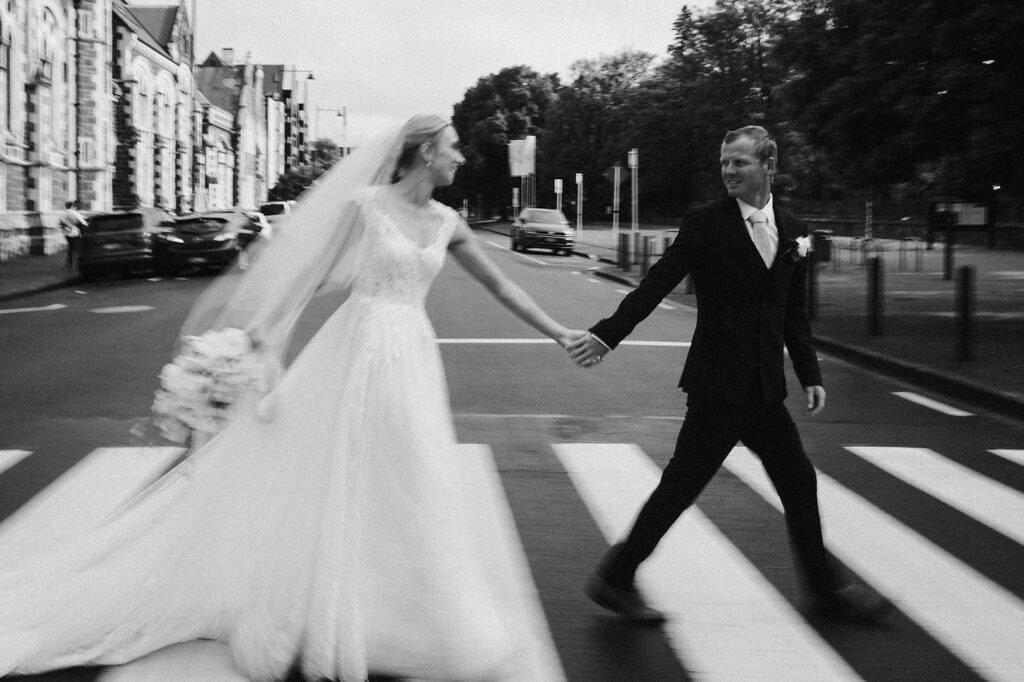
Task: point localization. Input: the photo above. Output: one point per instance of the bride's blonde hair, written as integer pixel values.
(418, 130)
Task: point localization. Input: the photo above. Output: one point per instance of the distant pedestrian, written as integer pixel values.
(71, 224)
(746, 255)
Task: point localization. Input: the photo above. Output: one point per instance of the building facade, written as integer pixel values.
(99, 103)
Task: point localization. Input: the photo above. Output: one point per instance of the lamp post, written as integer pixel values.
(343, 114)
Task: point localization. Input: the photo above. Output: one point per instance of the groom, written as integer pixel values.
(747, 259)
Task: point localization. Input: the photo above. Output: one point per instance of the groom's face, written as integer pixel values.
(745, 176)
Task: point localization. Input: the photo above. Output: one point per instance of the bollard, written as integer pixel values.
(812, 284)
(947, 256)
(965, 313)
(624, 252)
(645, 254)
(874, 296)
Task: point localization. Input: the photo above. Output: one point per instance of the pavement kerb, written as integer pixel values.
(43, 288)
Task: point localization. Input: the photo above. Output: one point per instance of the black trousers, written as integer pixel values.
(710, 430)
(72, 250)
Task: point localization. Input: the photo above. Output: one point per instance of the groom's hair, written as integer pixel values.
(764, 143)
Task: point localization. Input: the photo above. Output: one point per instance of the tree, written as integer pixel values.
(501, 107)
(291, 184)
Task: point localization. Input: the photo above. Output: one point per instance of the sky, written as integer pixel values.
(385, 60)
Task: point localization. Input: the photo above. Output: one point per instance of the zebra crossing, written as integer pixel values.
(727, 620)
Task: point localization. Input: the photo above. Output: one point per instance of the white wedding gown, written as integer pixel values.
(337, 535)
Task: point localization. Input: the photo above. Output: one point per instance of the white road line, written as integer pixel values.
(9, 458)
(994, 504)
(1012, 455)
(517, 253)
(654, 344)
(666, 306)
(507, 563)
(731, 623)
(973, 617)
(623, 291)
(45, 308)
(595, 280)
(933, 404)
(122, 309)
(87, 492)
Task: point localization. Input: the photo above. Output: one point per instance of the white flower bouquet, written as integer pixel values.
(209, 377)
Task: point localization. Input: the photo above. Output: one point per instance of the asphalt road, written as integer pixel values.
(914, 499)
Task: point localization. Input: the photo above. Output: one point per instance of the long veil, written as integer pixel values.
(319, 242)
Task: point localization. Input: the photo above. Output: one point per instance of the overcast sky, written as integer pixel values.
(385, 60)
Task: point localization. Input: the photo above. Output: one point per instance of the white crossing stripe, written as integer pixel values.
(87, 493)
(1012, 455)
(994, 504)
(507, 562)
(932, 404)
(9, 458)
(977, 620)
(733, 624)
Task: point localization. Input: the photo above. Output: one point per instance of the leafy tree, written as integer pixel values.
(291, 184)
(503, 106)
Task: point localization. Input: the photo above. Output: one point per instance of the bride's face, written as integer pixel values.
(447, 157)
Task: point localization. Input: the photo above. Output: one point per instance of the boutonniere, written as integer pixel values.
(800, 247)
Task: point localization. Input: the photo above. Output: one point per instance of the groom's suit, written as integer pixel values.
(734, 375)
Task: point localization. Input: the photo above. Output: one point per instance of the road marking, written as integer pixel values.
(656, 344)
(1012, 455)
(45, 308)
(732, 623)
(933, 404)
(87, 493)
(9, 458)
(666, 306)
(623, 291)
(975, 618)
(994, 504)
(595, 280)
(517, 253)
(506, 563)
(122, 309)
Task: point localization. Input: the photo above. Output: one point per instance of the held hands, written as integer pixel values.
(815, 399)
(586, 350)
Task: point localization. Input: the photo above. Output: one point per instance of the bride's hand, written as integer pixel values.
(570, 337)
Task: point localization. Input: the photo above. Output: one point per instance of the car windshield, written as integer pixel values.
(272, 209)
(115, 223)
(547, 217)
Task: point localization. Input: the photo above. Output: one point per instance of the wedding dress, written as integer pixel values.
(338, 534)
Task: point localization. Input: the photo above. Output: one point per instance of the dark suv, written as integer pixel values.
(207, 240)
(542, 228)
(120, 242)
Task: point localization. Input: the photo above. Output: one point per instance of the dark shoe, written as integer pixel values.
(626, 602)
(854, 603)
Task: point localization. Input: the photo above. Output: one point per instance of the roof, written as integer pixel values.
(273, 78)
(221, 85)
(157, 19)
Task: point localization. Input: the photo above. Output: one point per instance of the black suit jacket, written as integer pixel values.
(746, 312)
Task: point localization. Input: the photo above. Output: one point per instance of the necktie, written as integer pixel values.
(762, 240)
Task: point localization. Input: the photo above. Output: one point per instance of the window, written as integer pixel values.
(5, 84)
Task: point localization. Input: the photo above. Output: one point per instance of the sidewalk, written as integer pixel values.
(24, 275)
(918, 342)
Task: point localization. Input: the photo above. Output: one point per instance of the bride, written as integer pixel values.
(325, 526)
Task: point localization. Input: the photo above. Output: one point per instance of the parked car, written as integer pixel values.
(206, 240)
(121, 242)
(542, 228)
(276, 211)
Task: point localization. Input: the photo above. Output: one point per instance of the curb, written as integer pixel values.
(53, 286)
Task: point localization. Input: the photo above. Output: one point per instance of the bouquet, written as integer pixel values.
(212, 374)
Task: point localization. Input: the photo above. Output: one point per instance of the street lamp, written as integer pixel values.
(343, 114)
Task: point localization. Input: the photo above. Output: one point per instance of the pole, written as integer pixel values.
(558, 194)
(579, 206)
(615, 204)
(874, 296)
(965, 313)
(634, 165)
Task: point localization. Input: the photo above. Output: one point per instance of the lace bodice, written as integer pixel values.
(399, 262)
